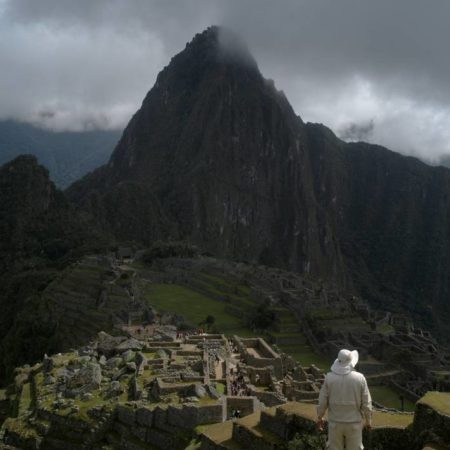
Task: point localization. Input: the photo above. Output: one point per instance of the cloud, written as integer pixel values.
(357, 131)
(369, 70)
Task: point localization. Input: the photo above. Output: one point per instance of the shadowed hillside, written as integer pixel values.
(225, 163)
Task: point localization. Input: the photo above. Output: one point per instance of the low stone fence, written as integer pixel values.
(163, 388)
(189, 352)
(268, 398)
(286, 424)
(303, 396)
(185, 416)
(246, 405)
(192, 378)
(64, 421)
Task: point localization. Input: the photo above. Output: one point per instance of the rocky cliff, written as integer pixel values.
(226, 161)
(216, 155)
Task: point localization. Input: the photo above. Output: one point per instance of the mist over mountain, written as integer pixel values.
(217, 157)
(67, 155)
(224, 160)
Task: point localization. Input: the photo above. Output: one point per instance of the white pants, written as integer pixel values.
(346, 435)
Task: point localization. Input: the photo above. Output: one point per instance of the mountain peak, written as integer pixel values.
(225, 44)
(218, 44)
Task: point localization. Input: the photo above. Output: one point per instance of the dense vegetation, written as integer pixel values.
(40, 234)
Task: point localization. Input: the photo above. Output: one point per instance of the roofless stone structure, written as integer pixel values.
(152, 387)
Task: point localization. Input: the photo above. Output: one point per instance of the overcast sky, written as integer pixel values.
(375, 70)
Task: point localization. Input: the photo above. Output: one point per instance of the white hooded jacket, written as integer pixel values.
(346, 397)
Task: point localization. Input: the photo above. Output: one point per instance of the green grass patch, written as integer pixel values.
(194, 307)
(385, 329)
(230, 293)
(20, 427)
(206, 400)
(25, 399)
(437, 400)
(305, 355)
(217, 280)
(227, 296)
(389, 398)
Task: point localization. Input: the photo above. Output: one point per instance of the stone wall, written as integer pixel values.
(286, 424)
(268, 398)
(260, 375)
(247, 405)
(432, 419)
(250, 440)
(161, 426)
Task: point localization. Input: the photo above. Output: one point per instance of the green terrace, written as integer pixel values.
(229, 302)
(213, 298)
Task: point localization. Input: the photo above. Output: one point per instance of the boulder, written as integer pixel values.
(212, 391)
(49, 380)
(89, 377)
(107, 344)
(141, 361)
(131, 366)
(127, 356)
(114, 362)
(196, 390)
(135, 390)
(119, 373)
(129, 344)
(115, 389)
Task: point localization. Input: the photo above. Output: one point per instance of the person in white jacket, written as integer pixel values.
(346, 396)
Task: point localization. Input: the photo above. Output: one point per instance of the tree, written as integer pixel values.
(208, 322)
(262, 318)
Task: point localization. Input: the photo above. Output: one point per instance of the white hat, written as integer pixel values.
(345, 362)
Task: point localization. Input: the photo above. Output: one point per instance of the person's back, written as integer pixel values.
(346, 396)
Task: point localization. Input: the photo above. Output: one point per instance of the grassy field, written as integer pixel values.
(389, 398)
(194, 307)
(305, 355)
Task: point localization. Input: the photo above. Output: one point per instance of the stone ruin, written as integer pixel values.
(392, 350)
(150, 387)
